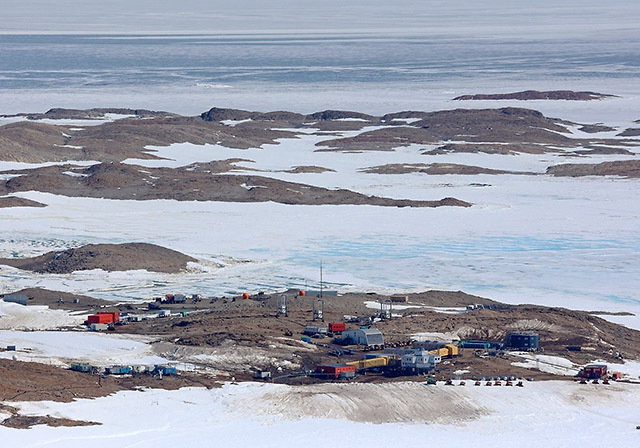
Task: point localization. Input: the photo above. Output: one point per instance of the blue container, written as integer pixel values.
(165, 370)
(474, 344)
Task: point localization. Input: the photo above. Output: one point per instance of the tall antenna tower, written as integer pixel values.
(321, 279)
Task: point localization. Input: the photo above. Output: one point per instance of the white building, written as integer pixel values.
(419, 361)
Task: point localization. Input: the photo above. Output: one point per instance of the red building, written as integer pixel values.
(337, 327)
(336, 371)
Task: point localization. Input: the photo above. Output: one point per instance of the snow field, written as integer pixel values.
(240, 414)
(63, 347)
(14, 316)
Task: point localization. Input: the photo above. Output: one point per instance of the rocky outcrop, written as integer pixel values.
(434, 169)
(624, 168)
(197, 182)
(631, 132)
(537, 95)
(108, 257)
(14, 201)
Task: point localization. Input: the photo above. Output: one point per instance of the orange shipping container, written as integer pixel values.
(106, 318)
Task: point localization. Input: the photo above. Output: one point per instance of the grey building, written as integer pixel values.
(16, 298)
(370, 336)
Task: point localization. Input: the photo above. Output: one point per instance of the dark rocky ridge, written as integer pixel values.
(108, 257)
(538, 95)
(511, 148)
(220, 114)
(631, 132)
(33, 141)
(595, 128)
(603, 150)
(505, 130)
(517, 148)
(92, 114)
(197, 182)
(494, 131)
(309, 169)
(624, 168)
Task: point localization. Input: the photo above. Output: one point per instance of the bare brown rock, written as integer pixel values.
(28, 421)
(108, 257)
(52, 299)
(31, 381)
(31, 141)
(194, 182)
(603, 150)
(14, 201)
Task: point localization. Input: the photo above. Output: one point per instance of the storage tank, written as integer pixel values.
(523, 340)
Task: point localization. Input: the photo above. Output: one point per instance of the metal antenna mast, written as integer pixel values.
(321, 279)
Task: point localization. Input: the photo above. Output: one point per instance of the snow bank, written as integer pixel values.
(250, 414)
(35, 317)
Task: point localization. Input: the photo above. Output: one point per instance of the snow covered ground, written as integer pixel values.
(545, 363)
(561, 366)
(64, 347)
(559, 414)
(18, 317)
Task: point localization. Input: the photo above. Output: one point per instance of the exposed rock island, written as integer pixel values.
(108, 257)
(526, 95)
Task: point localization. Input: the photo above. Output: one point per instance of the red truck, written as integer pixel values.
(337, 327)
